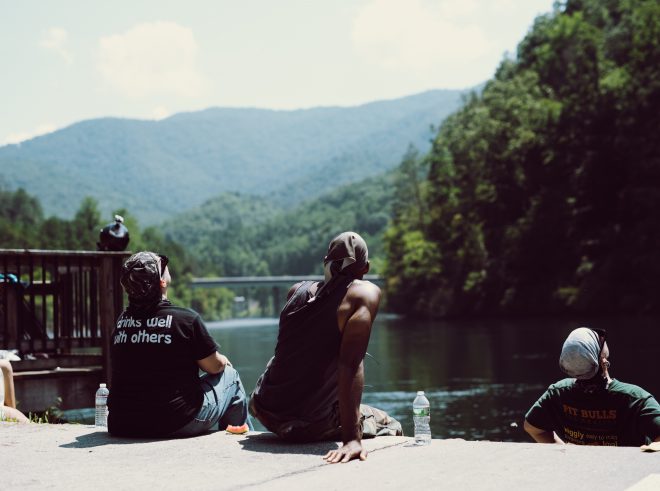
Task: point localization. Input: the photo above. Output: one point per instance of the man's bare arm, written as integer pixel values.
(542, 436)
(293, 289)
(9, 410)
(363, 302)
(214, 363)
(8, 377)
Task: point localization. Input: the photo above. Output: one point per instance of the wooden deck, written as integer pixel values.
(57, 312)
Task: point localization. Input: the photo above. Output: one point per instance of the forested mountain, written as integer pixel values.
(542, 193)
(159, 168)
(235, 234)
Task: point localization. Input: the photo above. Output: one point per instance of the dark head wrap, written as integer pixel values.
(140, 277)
(346, 259)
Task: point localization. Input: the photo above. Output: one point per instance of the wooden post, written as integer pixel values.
(107, 312)
(12, 300)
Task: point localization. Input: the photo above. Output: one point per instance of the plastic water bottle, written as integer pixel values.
(422, 419)
(101, 414)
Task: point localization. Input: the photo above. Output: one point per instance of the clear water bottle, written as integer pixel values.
(422, 419)
(101, 414)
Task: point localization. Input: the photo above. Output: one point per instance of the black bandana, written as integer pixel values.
(141, 279)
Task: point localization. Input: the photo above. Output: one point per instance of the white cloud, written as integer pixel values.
(457, 8)
(160, 112)
(502, 5)
(429, 38)
(151, 58)
(19, 137)
(54, 39)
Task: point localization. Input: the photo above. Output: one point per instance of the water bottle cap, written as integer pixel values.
(420, 392)
(102, 386)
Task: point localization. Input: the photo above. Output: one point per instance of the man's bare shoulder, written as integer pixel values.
(293, 289)
(364, 291)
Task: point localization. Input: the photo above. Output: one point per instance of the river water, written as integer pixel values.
(480, 376)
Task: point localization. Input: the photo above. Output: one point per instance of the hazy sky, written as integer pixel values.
(67, 60)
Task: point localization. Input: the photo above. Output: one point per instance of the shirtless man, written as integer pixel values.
(312, 387)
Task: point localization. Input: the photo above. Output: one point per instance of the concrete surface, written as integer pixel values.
(80, 457)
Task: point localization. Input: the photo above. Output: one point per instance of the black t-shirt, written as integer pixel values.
(155, 377)
(619, 415)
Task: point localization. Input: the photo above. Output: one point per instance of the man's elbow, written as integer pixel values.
(540, 435)
(214, 370)
(532, 430)
(350, 367)
(216, 367)
(527, 427)
(213, 364)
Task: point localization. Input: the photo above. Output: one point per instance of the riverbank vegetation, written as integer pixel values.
(541, 194)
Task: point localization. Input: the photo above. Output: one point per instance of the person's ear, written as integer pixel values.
(163, 283)
(366, 268)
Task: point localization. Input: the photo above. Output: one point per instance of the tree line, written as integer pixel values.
(540, 195)
(24, 226)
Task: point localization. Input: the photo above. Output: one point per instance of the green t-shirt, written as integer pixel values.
(619, 415)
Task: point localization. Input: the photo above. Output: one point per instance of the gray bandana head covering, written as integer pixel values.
(140, 277)
(580, 354)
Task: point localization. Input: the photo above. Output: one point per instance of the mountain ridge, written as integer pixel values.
(156, 169)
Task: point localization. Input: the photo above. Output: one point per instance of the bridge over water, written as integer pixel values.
(265, 281)
(249, 288)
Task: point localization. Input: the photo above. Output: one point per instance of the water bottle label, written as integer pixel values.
(421, 411)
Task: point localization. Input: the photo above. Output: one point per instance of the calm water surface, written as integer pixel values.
(481, 376)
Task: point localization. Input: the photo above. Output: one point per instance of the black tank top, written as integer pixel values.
(300, 381)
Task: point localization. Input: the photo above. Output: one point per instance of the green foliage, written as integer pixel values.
(214, 303)
(19, 215)
(53, 414)
(22, 226)
(237, 235)
(542, 191)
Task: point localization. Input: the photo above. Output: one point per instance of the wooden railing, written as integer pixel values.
(59, 302)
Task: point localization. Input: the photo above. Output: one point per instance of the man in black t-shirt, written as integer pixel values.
(592, 408)
(157, 351)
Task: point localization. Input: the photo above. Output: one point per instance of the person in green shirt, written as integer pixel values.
(591, 408)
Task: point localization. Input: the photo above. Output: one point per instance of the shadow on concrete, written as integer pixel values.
(271, 443)
(100, 438)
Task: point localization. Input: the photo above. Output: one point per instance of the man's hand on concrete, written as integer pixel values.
(348, 451)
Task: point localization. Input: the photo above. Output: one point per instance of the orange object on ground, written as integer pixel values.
(238, 430)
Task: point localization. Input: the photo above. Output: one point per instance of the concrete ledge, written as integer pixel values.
(80, 457)
(62, 361)
(37, 390)
(57, 372)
